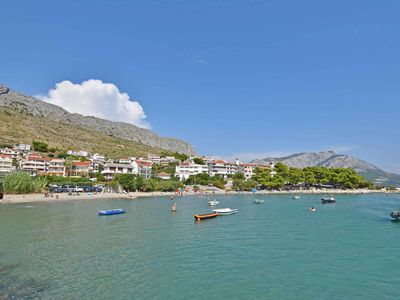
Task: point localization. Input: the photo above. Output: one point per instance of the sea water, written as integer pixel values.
(274, 250)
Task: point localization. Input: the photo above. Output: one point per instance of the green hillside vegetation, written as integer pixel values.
(134, 183)
(343, 178)
(19, 127)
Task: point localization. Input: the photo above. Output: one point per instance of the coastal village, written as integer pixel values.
(22, 157)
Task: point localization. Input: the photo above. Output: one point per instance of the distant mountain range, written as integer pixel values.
(28, 118)
(330, 159)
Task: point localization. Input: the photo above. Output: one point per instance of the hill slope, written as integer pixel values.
(54, 116)
(330, 159)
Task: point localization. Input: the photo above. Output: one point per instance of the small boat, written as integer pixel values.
(328, 200)
(312, 209)
(258, 201)
(296, 197)
(200, 217)
(109, 212)
(213, 202)
(395, 214)
(225, 211)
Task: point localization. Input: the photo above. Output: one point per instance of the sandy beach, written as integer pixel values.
(30, 198)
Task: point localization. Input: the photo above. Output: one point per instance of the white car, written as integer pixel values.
(78, 189)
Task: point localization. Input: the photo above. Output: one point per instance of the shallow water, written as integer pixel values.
(275, 250)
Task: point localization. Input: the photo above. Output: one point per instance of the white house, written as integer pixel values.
(187, 168)
(144, 168)
(22, 147)
(98, 158)
(221, 167)
(247, 170)
(35, 163)
(8, 151)
(111, 169)
(163, 175)
(56, 167)
(79, 153)
(6, 163)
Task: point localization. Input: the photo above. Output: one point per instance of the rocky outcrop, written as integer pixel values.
(36, 107)
(4, 89)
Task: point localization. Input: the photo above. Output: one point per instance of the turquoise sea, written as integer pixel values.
(276, 250)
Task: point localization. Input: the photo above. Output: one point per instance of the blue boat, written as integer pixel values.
(109, 212)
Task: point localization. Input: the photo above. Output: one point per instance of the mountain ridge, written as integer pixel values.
(330, 159)
(38, 108)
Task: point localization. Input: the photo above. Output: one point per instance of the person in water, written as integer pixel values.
(173, 207)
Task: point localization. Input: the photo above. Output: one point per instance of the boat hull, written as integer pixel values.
(111, 212)
(200, 217)
(225, 212)
(395, 214)
(328, 200)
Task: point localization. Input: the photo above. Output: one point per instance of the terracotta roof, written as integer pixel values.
(163, 174)
(144, 163)
(37, 157)
(5, 156)
(81, 163)
(248, 165)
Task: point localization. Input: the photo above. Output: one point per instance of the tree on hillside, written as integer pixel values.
(40, 146)
(199, 161)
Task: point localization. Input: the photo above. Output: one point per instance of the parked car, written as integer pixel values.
(97, 189)
(78, 189)
(87, 189)
(55, 189)
(1, 191)
(67, 188)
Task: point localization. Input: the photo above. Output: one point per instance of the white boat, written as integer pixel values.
(296, 197)
(213, 202)
(225, 211)
(328, 200)
(258, 201)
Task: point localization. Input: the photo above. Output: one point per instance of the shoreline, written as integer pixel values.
(40, 198)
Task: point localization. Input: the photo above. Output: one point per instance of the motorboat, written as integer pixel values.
(258, 201)
(109, 212)
(296, 197)
(213, 202)
(225, 211)
(328, 200)
(312, 209)
(395, 214)
(200, 217)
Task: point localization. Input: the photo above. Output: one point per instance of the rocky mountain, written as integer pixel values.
(31, 106)
(330, 159)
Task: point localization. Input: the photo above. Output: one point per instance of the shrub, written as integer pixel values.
(23, 183)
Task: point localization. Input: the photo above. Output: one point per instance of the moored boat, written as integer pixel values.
(328, 200)
(200, 217)
(296, 197)
(258, 201)
(395, 214)
(109, 212)
(213, 202)
(225, 211)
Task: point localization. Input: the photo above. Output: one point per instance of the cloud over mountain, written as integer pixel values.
(96, 98)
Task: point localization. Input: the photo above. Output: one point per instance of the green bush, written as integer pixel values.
(39, 146)
(23, 183)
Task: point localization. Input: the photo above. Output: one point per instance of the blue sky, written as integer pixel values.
(233, 78)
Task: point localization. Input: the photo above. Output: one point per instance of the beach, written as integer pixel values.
(30, 198)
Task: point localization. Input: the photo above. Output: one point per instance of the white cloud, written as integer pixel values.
(96, 98)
